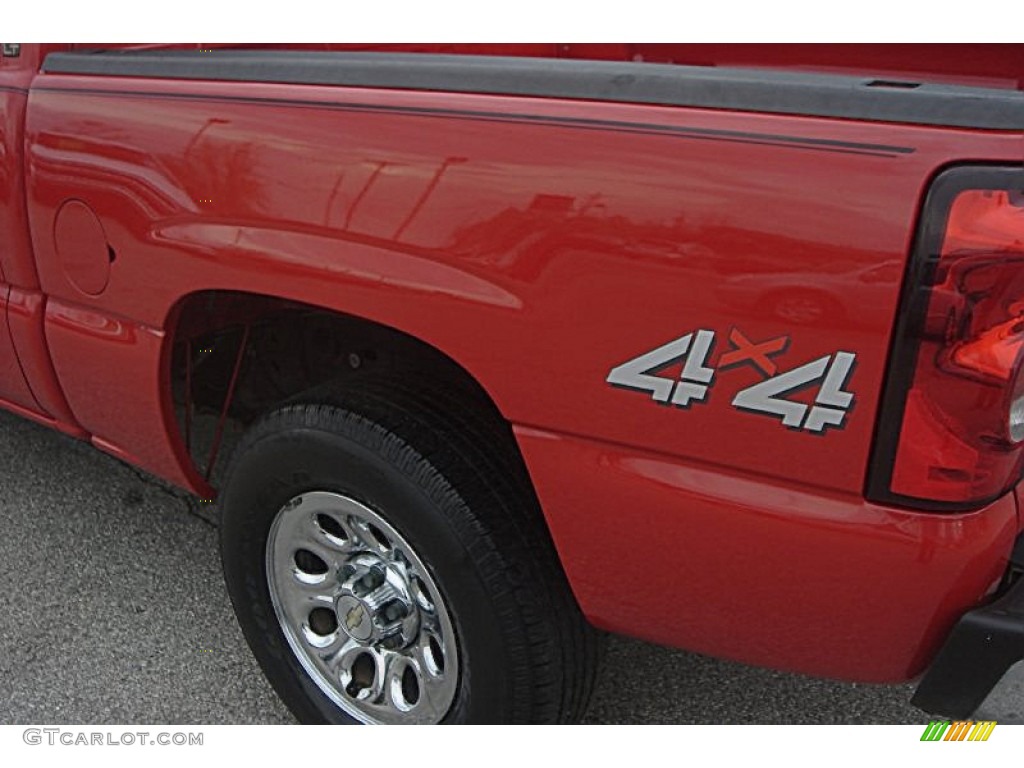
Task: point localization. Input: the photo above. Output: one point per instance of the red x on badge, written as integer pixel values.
(746, 351)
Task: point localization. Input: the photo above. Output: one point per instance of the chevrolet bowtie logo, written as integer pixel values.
(354, 617)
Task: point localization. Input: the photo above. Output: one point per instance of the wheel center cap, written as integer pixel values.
(354, 617)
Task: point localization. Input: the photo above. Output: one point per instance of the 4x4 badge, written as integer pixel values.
(829, 408)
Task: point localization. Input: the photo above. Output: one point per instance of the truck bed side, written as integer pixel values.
(540, 242)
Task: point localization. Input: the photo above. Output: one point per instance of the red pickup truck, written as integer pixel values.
(482, 350)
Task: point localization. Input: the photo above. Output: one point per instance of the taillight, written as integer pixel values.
(951, 428)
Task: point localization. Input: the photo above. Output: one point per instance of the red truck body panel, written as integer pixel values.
(539, 243)
(28, 384)
(758, 570)
(475, 228)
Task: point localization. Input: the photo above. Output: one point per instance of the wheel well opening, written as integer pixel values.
(236, 356)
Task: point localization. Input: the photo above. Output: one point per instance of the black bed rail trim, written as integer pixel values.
(753, 90)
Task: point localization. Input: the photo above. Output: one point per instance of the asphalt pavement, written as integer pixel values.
(113, 610)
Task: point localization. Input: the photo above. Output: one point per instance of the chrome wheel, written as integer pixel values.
(361, 611)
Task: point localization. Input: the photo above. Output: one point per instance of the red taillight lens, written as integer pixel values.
(952, 423)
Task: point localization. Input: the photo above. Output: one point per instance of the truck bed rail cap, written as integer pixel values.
(755, 90)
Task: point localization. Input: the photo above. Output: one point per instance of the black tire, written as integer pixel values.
(443, 473)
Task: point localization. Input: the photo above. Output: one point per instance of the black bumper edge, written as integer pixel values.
(982, 646)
